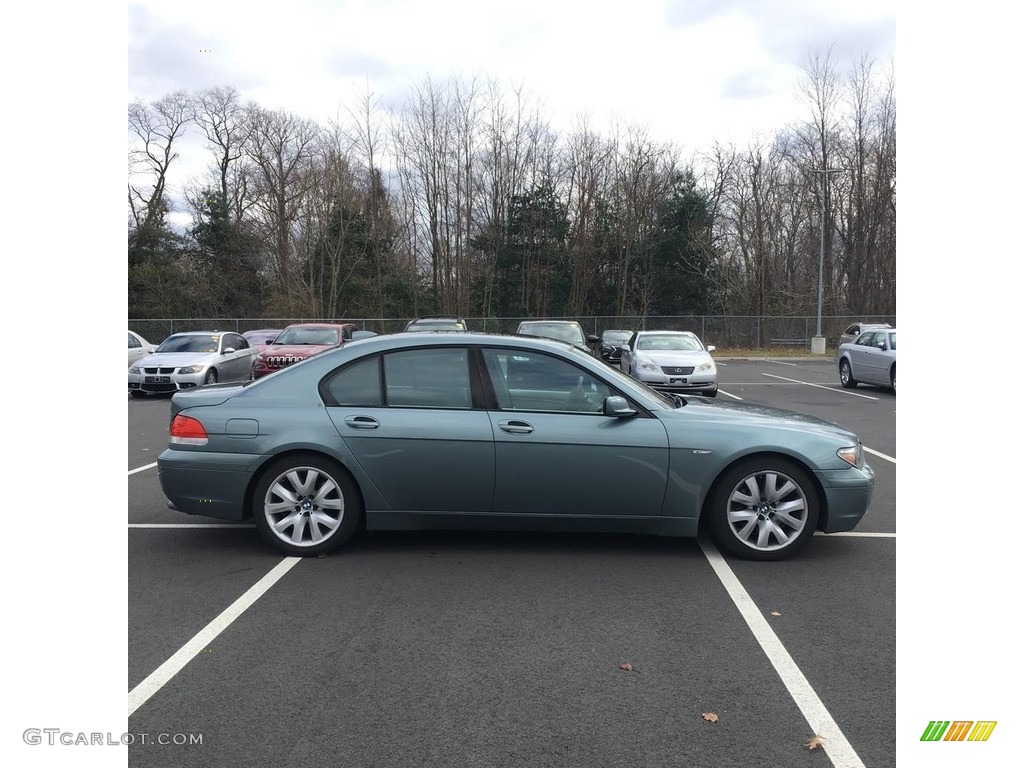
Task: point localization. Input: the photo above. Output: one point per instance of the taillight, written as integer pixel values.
(187, 431)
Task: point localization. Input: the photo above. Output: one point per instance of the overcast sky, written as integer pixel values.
(692, 71)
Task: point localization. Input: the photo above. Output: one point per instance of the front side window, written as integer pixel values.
(892, 341)
(428, 378)
(532, 381)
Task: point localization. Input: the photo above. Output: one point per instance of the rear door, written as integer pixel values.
(408, 418)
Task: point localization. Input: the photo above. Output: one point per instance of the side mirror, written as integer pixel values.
(592, 339)
(229, 350)
(711, 347)
(618, 407)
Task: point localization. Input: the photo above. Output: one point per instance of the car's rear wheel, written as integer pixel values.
(846, 375)
(211, 376)
(306, 504)
(764, 508)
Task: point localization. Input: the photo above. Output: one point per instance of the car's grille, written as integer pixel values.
(161, 371)
(281, 361)
(672, 371)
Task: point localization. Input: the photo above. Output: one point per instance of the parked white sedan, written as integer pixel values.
(138, 347)
(676, 361)
(186, 360)
(871, 359)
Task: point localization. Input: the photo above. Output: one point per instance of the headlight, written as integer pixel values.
(708, 367)
(853, 455)
(191, 369)
(134, 369)
(646, 366)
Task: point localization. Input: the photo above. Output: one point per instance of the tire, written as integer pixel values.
(892, 379)
(764, 508)
(211, 377)
(846, 375)
(137, 394)
(306, 504)
(711, 393)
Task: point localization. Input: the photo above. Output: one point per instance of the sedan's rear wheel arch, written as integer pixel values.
(305, 503)
(819, 491)
(298, 454)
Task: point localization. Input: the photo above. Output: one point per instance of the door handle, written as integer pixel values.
(515, 427)
(361, 422)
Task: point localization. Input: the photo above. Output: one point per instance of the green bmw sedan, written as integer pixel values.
(473, 431)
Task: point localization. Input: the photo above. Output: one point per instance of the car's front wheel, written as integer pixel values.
(306, 505)
(764, 508)
(138, 394)
(211, 376)
(710, 392)
(846, 375)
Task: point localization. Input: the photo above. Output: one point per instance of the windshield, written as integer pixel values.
(674, 343)
(616, 336)
(317, 336)
(206, 343)
(558, 331)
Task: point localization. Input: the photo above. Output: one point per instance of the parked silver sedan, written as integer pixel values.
(448, 431)
(671, 360)
(192, 359)
(871, 359)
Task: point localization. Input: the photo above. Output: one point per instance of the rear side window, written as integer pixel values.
(357, 385)
(428, 378)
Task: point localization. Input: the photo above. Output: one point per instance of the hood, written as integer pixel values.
(294, 350)
(174, 359)
(762, 416)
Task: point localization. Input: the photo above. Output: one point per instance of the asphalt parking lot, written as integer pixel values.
(496, 649)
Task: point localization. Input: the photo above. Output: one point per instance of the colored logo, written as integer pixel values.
(958, 730)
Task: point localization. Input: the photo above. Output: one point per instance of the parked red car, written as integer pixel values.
(299, 341)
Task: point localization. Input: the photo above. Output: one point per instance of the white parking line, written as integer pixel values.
(880, 455)
(839, 750)
(142, 692)
(864, 535)
(734, 397)
(820, 386)
(191, 525)
(140, 469)
(779, 362)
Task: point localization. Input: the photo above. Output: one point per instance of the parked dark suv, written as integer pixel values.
(560, 330)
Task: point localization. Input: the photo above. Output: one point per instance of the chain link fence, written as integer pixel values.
(723, 331)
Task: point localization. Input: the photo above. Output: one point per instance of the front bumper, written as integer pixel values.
(689, 383)
(156, 384)
(847, 496)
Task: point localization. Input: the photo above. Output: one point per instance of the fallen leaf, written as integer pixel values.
(815, 741)
(776, 613)
(711, 717)
(627, 667)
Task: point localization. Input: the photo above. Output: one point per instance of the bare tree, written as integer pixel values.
(156, 127)
(281, 145)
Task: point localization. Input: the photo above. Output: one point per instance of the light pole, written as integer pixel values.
(818, 342)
